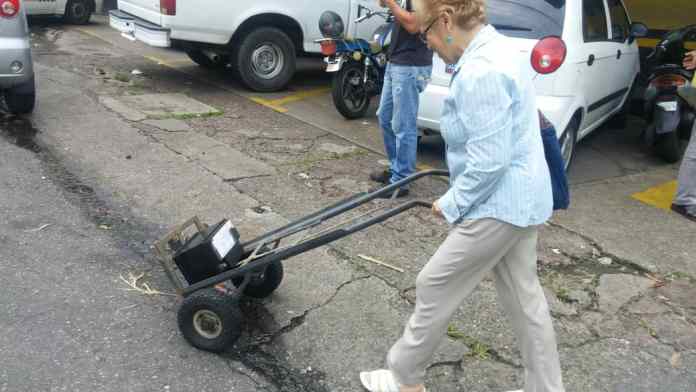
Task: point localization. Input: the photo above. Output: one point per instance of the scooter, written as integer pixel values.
(358, 65)
(669, 117)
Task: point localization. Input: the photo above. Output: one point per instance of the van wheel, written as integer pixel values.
(202, 59)
(265, 59)
(78, 11)
(21, 99)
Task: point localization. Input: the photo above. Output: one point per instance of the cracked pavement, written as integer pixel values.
(110, 182)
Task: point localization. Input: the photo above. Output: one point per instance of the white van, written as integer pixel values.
(259, 40)
(73, 11)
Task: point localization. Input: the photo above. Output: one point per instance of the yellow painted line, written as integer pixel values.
(660, 196)
(269, 104)
(277, 104)
(170, 64)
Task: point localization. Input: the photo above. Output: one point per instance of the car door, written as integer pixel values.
(599, 54)
(626, 64)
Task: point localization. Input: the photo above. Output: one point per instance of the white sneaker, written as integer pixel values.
(381, 380)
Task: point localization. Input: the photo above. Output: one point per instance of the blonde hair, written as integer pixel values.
(465, 13)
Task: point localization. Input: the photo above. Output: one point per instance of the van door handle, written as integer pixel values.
(590, 60)
(618, 54)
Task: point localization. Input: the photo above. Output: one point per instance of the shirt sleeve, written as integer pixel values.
(484, 108)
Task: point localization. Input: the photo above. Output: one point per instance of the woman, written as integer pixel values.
(500, 192)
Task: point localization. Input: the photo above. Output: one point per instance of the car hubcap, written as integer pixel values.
(207, 324)
(567, 147)
(267, 61)
(79, 10)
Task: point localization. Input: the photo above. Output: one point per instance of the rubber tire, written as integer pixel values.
(572, 127)
(21, 99)
(263, 287)
(198, 57)
(241, 59)
(226, 307)
(337, 92)
(668, 147)
(71, 17)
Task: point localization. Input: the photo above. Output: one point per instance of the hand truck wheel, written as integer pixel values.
(262, 284)
(210, 320)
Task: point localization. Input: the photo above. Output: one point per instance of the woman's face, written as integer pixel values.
(437, 34)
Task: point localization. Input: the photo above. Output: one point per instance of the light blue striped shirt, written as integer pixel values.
(491, 128)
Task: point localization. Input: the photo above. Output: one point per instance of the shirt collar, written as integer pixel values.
(484, 36)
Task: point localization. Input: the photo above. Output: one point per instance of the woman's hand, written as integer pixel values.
(690, 60)
(437, 211)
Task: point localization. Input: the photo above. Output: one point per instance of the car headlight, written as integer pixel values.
(16, 67)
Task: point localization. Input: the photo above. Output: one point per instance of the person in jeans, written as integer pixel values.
(407, 74)
(685, 200)
(499, 195)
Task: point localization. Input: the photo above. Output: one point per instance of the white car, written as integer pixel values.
(583, 53)
(74, 11)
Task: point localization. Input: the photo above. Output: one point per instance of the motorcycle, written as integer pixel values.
(669, 116)
(358, 65)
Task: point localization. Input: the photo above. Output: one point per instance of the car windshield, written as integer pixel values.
(532, 19)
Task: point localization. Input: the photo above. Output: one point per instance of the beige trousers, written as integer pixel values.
(473, 249)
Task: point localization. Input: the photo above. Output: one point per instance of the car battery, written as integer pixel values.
(209, 252)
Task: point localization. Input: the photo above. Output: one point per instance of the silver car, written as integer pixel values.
(16, 67)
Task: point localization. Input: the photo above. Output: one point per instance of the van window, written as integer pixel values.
(594, 21)
(533, 19)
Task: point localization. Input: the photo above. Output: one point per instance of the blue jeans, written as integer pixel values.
(398, 111)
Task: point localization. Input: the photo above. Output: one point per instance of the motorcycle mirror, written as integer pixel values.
(638, 30)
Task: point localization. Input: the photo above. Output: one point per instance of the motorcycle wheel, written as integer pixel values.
(668, 147)
(348, 90)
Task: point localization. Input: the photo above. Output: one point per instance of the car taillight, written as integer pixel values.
(548, 55)
(328, 48)
(667, 81)
(9, 8)
(168, 7)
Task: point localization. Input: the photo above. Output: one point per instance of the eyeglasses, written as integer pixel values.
(424, 35)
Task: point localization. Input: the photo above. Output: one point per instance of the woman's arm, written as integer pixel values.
(484, 106)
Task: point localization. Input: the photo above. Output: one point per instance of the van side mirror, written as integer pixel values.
(638, 30)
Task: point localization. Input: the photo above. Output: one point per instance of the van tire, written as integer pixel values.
(21, 99)
(78, 11)
(265, 59)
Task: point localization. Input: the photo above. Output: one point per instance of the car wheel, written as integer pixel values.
(568, 141)
(202, 59)
(265, 59)
(21, 99)
(78, 11)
